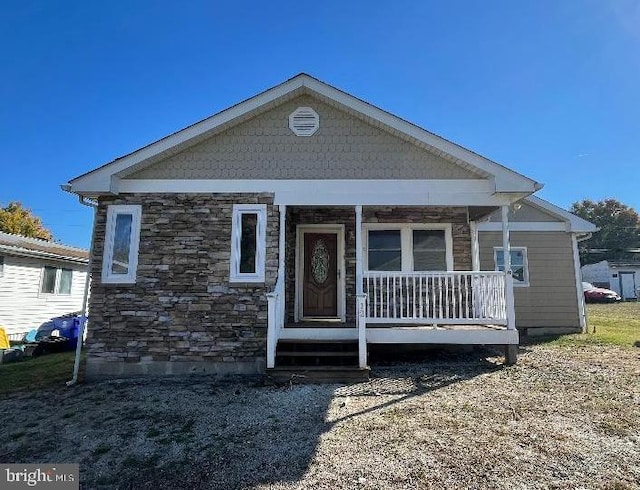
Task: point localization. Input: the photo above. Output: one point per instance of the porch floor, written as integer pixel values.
(323, 325)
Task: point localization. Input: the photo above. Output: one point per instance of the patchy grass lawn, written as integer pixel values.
(561, 418)
(37, 373)
(608, 324)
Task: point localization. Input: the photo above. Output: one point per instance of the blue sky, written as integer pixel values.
(550, 88)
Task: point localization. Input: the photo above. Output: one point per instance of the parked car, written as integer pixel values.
(593, 294)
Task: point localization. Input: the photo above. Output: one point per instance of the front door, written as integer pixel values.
(320, 275)
(627, 285)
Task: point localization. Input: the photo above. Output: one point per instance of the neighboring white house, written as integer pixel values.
(622, 276)
(38, 280)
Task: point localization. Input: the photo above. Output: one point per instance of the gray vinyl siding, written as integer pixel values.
(550, 302)
(344, 147)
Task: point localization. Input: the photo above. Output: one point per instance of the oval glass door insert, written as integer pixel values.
(320, 262)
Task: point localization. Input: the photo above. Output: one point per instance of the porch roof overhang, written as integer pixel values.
(111, 178)
(468, 192)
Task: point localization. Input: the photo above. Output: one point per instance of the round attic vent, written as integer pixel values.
(304, 121)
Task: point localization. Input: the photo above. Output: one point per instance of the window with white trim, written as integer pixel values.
(519, 264)
(56, 280)
(122, 240)
(408, 248)
(248, 242)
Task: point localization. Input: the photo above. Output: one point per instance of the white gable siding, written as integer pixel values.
(22, 307)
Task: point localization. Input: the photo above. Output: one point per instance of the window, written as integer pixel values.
(122, 239)
(248, 242)
(519, 264)
(385, 250)
(408, 248)
(429, 250)
(56, 280)
(1, 265)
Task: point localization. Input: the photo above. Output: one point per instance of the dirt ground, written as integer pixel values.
(563, 417)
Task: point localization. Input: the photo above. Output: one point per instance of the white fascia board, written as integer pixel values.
(524, 226)
(575, 223)
(97, 180)
(444, 192)
(506, 180)
(421, 335)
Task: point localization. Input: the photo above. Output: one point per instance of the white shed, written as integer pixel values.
(622, 277)
(39, 280)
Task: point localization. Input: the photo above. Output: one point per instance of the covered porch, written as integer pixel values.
(459, 304)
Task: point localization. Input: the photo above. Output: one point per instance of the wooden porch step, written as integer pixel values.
(318, 353)
(318, 375)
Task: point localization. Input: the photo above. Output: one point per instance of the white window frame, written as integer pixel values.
(56, 285)
(525, 263)
(236, 239)
(135, 210)
(406, 242)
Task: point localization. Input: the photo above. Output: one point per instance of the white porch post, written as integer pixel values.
(506, 247)
(282, 263)
(475, 247)
(275, 299)
(272, 329)
(360, 297)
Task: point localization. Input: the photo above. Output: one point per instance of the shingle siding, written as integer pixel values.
(344, 147)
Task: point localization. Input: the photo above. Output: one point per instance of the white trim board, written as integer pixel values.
(442, 192)
(582, 312)
(98, 180)
(524, 226)
(428, 335)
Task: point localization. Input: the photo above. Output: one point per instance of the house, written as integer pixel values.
(39, 280)
(622, 276)
(307, 222)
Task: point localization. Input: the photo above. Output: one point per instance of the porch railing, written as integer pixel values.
(435, 297)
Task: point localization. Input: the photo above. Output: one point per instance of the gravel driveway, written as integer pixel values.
(561, 418)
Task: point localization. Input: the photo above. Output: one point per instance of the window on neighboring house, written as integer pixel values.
(248, 242)
(409, 248)
(122, 239)
(1, 265)
(519, 264)
(56, 280)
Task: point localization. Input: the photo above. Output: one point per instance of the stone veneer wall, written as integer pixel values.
(182, 315)
(457, 216)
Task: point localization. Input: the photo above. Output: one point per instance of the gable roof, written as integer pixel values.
(574, 223)
(33, 247)
(100, 180)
